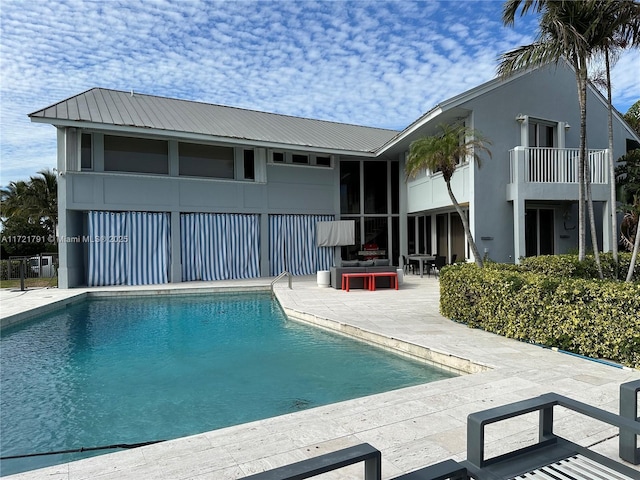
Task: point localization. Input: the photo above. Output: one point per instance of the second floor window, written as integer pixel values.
(210, 161)
(542, 134)
(137, 155)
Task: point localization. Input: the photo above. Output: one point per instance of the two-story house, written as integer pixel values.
(156, 190)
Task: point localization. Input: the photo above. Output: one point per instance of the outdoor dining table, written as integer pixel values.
(421, 260)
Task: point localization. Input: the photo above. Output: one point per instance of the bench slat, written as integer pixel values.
(576, 467)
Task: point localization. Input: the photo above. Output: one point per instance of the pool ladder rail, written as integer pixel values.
(282, 275)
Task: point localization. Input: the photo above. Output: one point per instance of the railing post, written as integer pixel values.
(373, 468)
(519, 164)
(628, 443)
(545, 429)
(22, 273)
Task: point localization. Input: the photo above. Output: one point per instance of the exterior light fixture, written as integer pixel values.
(521, 118)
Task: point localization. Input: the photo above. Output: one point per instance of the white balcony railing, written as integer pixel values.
(555, 165)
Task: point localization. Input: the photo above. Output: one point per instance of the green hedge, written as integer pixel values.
(595, 318)
(570, 266)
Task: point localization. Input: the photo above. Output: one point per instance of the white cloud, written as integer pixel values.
(379, 63)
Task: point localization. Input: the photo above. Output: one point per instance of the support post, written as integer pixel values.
(628, 443)
(22, 269)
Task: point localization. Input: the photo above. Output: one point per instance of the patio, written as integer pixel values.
(413, 427)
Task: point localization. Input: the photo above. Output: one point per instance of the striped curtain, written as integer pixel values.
(128, 248)
(219, 246)
(292, 245)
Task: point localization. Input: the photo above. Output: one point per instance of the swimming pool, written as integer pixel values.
(133, 370)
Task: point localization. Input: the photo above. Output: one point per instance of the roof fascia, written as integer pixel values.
(448, 105)
(600, 96)
(605, 102)
(60, 102)
(198, 137)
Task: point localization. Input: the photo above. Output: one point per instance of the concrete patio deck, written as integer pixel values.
(413, 427)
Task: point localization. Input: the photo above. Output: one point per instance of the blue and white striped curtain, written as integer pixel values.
(292, 245)
(128, 248)
(219, 246)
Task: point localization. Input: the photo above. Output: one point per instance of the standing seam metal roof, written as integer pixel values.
(112, 107)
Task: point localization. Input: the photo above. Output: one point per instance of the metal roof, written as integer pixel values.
(101, 107)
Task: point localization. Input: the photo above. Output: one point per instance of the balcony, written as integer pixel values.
(555, 165)
(552, 173)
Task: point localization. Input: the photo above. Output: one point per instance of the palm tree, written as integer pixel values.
(632, 117)
(443, 152)
(43, 199)
(12, 198)
(619, 27)
(36, 200)
(566, 30)
(628, 176)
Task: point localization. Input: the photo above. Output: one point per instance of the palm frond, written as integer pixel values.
(443, 151)
(511, 7)
(526, 57)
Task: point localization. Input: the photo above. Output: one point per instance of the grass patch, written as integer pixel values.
(30, 283)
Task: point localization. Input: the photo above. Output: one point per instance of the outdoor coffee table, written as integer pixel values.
(366, 277)
(392, 275)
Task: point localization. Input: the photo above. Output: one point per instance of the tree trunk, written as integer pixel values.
(585, 163)
(612, 170)
(581, 72)
(592, 220)
(634, 255)
(465, 224)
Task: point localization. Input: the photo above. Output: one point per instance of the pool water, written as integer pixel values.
(134, 370)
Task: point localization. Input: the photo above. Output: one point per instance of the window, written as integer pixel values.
(539, 231)
(86, 152)
(349, 187)
(350, 252)
(300, 159)
(209, 161)
(395, 187)
(322, 161)
(542, 134)
(297, 158)
(375, 187)
(543, 137)
(249, 165)
(137, 155)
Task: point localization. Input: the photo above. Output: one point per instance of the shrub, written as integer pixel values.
(569, 266)
(595, 318)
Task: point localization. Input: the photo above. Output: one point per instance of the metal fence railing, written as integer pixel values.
(44, 265)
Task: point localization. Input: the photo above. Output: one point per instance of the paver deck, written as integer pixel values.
(413, 427)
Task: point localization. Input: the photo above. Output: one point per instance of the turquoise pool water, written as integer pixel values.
(133, 370)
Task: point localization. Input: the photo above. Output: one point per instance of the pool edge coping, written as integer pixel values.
(27, 315)
(431, 356)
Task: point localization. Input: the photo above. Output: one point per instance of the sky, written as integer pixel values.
(374, 63)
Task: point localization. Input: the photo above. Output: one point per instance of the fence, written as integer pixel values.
(44, 265)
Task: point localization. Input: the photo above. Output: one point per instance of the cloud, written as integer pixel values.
(377, 63)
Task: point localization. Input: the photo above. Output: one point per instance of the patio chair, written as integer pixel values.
(408, 265)
(365, 453)
(438, 263)
(552, 457)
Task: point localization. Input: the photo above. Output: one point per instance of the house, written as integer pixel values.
(156, 190)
